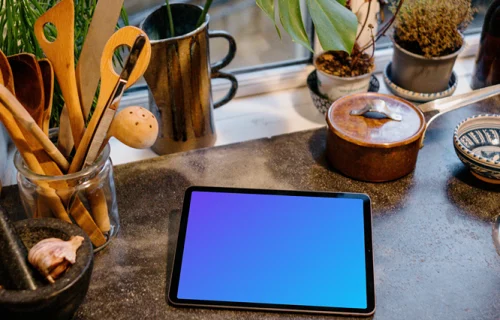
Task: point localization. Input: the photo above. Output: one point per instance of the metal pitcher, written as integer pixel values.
(179, 78)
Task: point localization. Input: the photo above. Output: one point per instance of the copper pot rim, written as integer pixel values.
(417, 136)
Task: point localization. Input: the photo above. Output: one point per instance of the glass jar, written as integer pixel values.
(86, 198)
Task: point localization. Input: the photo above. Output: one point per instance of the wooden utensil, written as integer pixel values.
(28, 84)
(28, 78)
(102, 26)
(48, 87)
(65, 141)
(60, 53)
(7, 77)
(26, 121)
(113, 102)
(135, 127)
(49, 195)
(109, 79)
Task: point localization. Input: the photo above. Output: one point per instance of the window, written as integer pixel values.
(282, 63)
(258, 42)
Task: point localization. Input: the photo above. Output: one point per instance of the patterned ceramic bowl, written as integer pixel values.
(416, 96)
(323, 103)
(477, 144)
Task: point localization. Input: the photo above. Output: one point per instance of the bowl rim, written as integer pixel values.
(460, 147)
(23, 297)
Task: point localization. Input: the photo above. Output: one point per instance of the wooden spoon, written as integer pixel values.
(48, 88)
(28, 84)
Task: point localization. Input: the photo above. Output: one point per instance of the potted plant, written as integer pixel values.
(346, 31)
(179, 74)
(427, 40)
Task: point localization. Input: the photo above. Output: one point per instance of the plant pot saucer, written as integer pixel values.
(323, 103)
(417, 96)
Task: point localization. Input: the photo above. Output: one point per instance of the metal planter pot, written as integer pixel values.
(420, 74)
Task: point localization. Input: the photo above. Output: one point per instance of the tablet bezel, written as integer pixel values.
(370, 286)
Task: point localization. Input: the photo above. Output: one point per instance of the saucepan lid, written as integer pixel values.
(376, 120)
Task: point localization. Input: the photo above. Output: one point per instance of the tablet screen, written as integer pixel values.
(303, 250)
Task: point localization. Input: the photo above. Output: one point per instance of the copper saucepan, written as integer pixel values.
(376, 137)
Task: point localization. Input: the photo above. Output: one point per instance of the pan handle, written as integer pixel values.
(438, 107)
(435, 108)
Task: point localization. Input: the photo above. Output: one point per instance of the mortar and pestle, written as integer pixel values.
(25, 294)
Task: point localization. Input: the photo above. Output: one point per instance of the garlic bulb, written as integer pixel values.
(53, 256)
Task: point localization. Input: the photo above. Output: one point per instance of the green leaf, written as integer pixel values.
(291, 19)
(268, 7)
(336, 25)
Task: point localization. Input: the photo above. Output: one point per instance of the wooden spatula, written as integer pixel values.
(101, 28)
(60, 53)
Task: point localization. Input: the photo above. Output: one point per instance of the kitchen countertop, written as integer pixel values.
(434, 256)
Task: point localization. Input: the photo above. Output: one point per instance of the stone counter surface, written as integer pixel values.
(434, 256)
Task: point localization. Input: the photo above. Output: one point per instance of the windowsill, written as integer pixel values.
(258, 116)
(271, 114)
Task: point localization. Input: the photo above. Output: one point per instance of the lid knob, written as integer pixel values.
(380, 107)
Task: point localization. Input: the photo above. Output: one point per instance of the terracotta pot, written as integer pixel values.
(419, 74)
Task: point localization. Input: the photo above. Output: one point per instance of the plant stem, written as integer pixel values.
(170, 20)
(204, 13)
(366, 19)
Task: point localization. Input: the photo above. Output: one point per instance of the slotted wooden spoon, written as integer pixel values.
(60, 53)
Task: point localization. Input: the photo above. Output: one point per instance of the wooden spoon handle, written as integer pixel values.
(60, 53)
(48, 88)
(24, 119)
(31, 161)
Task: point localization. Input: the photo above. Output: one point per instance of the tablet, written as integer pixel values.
(275, 251)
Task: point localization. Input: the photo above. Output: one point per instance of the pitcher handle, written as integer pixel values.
(217, 66)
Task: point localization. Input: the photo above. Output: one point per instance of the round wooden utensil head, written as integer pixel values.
(136, 127)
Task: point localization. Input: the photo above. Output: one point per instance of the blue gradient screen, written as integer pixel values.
(274, 249)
